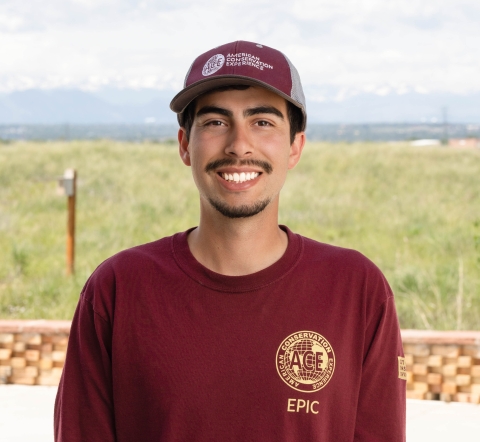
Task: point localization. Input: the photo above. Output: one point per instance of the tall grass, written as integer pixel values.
(414, 212)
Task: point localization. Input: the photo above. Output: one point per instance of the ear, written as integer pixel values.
(183, 146)
(296, 149)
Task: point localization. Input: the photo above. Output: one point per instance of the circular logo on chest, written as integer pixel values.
(213, 65)
(305, 361)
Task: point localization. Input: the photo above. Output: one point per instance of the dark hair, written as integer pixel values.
(295, 115)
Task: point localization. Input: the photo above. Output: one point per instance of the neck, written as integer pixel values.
(239, 246)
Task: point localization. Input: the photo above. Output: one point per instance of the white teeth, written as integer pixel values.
(240, 177)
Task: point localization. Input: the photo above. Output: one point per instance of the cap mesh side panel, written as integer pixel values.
(188, 73)
(297, 91)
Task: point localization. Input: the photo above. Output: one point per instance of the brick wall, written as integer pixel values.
(443, 365)
(440, 365)
(32, 352)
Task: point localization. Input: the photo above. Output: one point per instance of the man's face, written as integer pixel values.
(239, 150)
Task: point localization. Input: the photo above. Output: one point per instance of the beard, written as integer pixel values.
(243, 211)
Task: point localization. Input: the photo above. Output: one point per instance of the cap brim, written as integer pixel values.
(187, 95)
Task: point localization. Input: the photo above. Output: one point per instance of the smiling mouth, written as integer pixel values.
(239, 177)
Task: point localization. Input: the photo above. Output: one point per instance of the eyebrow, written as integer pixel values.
(214, 110)
(246, 113)
(263, 110)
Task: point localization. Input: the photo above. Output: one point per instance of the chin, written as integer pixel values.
(242, 211)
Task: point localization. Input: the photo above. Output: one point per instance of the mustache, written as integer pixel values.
(264, 165)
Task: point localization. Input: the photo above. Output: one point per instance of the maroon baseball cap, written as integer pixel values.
(241, 63)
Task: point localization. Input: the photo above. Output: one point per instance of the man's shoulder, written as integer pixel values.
(345, 266)
(136, 260)
(335, 260)
(315, 250)
(149, 251)
(129, 268)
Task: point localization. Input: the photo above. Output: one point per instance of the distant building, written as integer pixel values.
(426, 142)
(464, 143)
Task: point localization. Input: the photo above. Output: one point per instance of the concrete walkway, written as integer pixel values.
(26, 415)
(441, 422)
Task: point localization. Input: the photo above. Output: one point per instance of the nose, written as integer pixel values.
(239, 143)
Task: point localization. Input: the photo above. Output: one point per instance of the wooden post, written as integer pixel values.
(70, 185)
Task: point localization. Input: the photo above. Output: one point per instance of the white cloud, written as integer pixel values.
(353, 44)
(11, 22)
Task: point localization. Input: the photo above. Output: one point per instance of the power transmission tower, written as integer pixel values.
(445, 125)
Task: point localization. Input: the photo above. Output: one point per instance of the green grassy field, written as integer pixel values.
(414, 211)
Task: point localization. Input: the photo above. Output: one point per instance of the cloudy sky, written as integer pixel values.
(351, 45)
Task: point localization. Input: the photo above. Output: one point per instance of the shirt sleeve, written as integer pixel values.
(381, 410)
(84, 402)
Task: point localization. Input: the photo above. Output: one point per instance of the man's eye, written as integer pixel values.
(263, 123)
(214, 123)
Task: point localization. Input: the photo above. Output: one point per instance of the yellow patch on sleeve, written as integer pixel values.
(402, 368)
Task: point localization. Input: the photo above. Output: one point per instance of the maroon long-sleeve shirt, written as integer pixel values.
(163, 349)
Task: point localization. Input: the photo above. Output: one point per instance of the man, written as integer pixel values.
(238, 329)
